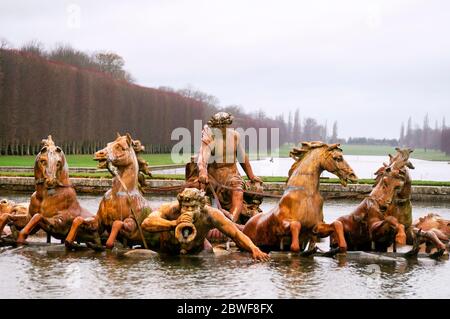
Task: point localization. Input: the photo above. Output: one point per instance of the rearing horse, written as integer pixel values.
(368, 227)
(400, 207)
(54, 204)
(123, 208)
(300, 210)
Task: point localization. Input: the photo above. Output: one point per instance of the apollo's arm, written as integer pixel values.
(159, 220)
(227, 227)
(244, 161)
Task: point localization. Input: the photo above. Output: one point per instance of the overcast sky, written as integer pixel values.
(367, 64)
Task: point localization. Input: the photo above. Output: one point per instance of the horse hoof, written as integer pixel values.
(308, 253)
(437, 254)
(71, 245)
(95, 246)
(21, 242)
(412, 253)
(332, 252)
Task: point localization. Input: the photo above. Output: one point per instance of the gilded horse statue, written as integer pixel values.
(400, 207)
(430, 229)
(123, 208)
(368, 227)
(299, 213)
(54, 204)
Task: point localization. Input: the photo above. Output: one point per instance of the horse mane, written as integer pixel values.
(47, 142)
(299, 153)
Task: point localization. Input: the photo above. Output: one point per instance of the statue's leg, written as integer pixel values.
(295, 228)
(237, 198)
(89, 225)
(72, 235)
(312, 248)
(32, 224)
(116, 227)
(400, 237)
(337, 229)
(4, 220)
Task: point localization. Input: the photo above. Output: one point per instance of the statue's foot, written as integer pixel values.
(295, 247)
(438, 254)
(71, 245)
(95, 247)
(21, 240)
(308, 252)
(412, 253)
(332, 252)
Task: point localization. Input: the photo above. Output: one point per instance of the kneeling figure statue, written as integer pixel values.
(185, 223)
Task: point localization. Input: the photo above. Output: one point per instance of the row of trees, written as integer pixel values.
(425, 136)
(372, 141)
(84, 99)
(102, 61)
(82, 109)
(309, 129)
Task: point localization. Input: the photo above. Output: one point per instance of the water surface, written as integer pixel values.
(41, 273)
(364, 167)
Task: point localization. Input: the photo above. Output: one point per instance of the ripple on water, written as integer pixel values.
(41, 274)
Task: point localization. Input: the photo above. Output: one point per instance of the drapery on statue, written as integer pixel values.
(220, 149)
(185, 223)
(299, 213)
(54, 204)
(369, 227)
(120, 205)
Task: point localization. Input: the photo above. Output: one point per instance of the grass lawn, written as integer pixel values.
(431, 155)
(80, 160)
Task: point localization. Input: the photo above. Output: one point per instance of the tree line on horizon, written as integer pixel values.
(426, 137)
(62, 92)
(82, 99)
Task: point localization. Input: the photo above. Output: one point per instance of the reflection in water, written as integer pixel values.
(54, 273)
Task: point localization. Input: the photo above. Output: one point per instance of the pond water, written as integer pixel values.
(364, 167)
(45, 274)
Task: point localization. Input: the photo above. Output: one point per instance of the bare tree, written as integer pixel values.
(4, 43)
(334, 135)
(34, 47)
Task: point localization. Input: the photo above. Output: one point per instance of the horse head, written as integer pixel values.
(325, 157)
(50, 166)
(398, 161)
(389, 184)
(119, 153)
